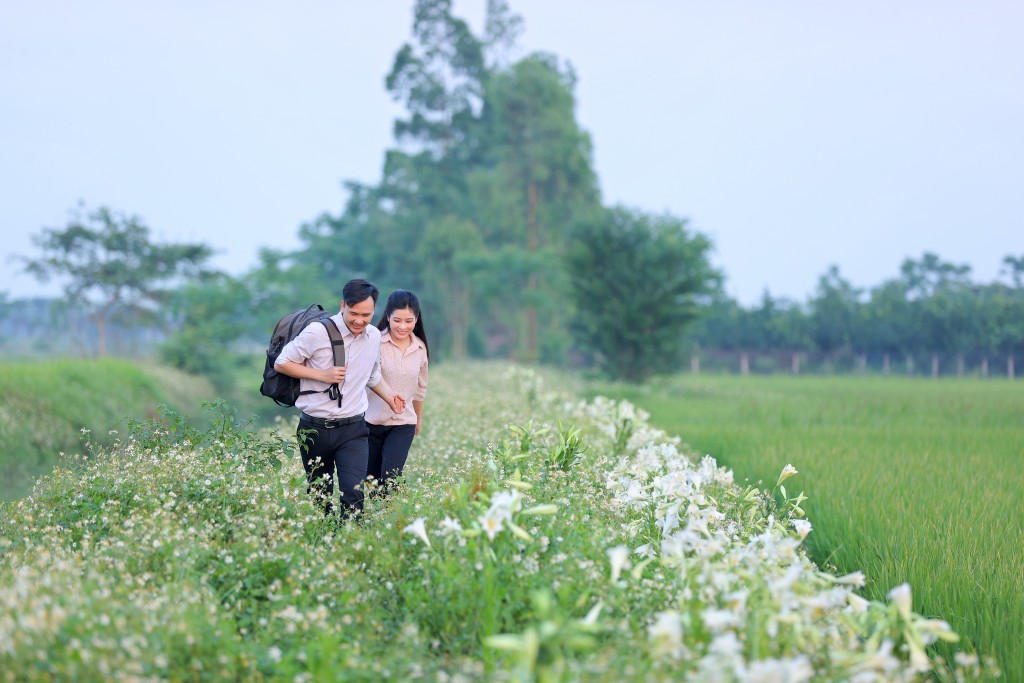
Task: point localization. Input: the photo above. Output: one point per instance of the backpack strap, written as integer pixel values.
(337, 342)
(338, 346)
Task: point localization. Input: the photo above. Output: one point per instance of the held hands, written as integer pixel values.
(397, 403)
(333, 375)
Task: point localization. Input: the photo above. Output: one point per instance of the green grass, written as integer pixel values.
(46, 405)
(908, 480)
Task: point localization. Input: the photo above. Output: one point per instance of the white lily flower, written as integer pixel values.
(803, 527)
(901, 597)
(418, 529)
(666, 633)
(619, 559)
(492, 524)
(859, 604)
(857, 578)
(795, 670)
(450, 527)
(787, 472)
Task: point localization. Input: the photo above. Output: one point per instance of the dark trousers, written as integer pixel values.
(389, 448)
(340, 450)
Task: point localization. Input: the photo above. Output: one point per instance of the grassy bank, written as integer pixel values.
(64, 406)
(908, 480)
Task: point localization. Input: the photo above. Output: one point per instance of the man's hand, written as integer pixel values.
(333, 375)
(397, 403)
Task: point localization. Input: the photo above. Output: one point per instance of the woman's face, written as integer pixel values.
(401, 322)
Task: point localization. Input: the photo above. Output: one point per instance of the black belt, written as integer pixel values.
(330, 422)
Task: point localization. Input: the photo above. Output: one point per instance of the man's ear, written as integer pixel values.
(341, 306)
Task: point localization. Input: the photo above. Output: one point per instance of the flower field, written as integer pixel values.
(537, 538)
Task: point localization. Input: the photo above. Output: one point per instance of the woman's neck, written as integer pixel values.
(403, 344)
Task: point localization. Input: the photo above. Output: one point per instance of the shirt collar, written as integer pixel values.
(416, 341)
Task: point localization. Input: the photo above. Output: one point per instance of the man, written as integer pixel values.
(338, 441)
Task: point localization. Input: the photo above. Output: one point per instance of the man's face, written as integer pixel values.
(358, 316)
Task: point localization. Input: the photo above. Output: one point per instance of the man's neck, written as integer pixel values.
(350, 330)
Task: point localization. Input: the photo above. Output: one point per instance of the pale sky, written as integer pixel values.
(795, 134)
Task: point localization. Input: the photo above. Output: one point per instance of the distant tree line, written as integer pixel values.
(931, 307)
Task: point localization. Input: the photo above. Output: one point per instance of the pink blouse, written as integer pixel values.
(406, 374)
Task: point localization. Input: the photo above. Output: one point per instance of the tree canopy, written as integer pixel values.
(112, 269)
(637, 283)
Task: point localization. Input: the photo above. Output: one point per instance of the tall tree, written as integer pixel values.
(542, 161)
(448, 246)
(439, 79)
(502, 29)
(637, 283)
(112, 268)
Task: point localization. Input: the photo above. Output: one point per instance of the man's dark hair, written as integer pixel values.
(357, 291)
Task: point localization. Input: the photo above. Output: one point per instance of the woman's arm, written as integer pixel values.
(396, 401)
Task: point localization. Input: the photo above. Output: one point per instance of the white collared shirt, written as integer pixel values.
(312, 348)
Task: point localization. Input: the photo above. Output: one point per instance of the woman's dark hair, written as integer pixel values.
(401, 299)
(357, 291)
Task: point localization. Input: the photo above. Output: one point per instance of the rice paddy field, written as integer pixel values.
(914, 480)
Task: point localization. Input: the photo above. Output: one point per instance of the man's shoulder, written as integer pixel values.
(315, 328)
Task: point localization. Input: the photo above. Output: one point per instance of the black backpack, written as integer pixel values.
(284, 389)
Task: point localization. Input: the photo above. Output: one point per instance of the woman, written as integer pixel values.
(403, 363)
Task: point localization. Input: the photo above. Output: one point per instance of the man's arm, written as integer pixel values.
(332, 375)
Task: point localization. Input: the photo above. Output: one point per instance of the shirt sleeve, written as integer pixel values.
(421, 382)
(305, 344)
(375, 376)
